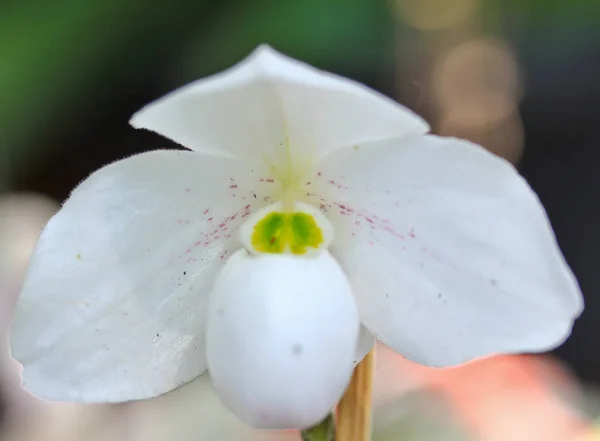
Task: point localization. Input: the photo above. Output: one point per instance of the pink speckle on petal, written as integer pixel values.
(394, 233)
(209, 219)
(347, 209)
(205, 211)
(269, 180)
(368, 219)
(247, 207)
(319, 173)
(308, 182)
(233, 186)
(332, 182)
(188, 190)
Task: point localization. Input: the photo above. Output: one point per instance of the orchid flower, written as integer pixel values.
(309, 217)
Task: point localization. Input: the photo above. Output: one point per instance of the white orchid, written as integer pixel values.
(307, 206)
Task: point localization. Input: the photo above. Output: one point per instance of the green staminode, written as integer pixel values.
(278, 232)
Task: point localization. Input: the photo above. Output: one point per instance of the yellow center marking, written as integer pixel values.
(277, 232)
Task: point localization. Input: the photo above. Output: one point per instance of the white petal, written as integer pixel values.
(366, 341)
(113, 305)
(450, 252)
(277, 108)
(281, 338)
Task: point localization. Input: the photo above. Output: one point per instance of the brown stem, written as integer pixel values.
(355, 409)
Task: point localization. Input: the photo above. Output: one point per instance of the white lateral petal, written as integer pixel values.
(281, 338)
(113, 305)
(450, 252)
(366, 341)
(278, 108)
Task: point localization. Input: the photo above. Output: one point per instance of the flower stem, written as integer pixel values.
(324, 431)
(355, 409)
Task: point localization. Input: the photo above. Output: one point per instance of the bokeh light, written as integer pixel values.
(428, 15)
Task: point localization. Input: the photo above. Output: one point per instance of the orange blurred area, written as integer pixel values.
(517, 398)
